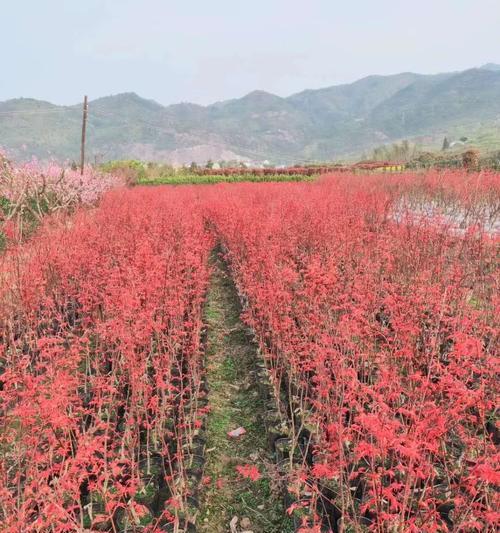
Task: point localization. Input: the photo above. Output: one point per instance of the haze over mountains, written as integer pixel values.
(322, 124)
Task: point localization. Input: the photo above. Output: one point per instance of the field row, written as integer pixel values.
(381, 333)
(101, 366)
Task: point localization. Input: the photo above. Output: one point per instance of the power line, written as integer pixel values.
(251, 152)
(37, 111)
(231, 145)
(159, 127)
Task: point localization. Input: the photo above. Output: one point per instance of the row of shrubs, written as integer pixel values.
(135, 172)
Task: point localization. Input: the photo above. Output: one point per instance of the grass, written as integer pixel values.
(235, 402)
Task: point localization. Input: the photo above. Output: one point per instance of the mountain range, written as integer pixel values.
(323, 124)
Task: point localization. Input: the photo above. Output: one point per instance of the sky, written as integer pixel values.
(204, 51)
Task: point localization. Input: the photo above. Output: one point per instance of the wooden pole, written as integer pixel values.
(84, 133)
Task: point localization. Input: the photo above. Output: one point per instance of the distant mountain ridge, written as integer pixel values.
(319, 124)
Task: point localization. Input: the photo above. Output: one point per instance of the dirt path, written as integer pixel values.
(235, 402)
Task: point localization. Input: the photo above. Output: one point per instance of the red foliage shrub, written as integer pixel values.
(101, 364)
(375, 302)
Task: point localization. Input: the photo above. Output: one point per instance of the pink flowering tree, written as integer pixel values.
(30, 191)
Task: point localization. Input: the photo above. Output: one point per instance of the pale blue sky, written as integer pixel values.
(208, 50)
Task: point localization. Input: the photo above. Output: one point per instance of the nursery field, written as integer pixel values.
(253, 357)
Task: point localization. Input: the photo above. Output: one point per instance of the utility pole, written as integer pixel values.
(84, 132)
